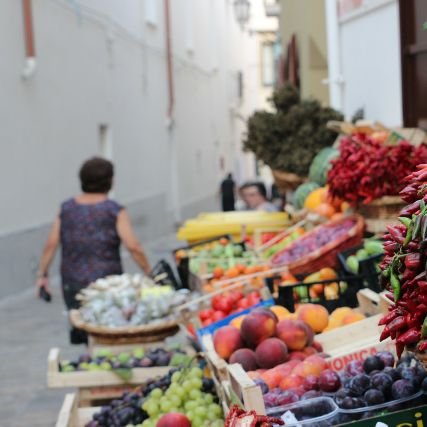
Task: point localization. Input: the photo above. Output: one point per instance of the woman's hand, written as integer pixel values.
(42, 282)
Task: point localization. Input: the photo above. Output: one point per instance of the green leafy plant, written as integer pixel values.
(289, 138)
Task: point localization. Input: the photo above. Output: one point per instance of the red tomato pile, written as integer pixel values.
(224, 305)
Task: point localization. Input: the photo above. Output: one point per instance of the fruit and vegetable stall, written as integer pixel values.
(309, 317)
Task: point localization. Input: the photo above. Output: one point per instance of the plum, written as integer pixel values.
(351, 403)
(355, 367)
(286, 398)
(372, 373)
(406, 361)
(311, 394)
(311, 382)
(382, 382)
(386, 357)
(329, 381)
(340, 395)
(373, 363)
(270, 400)
(262, 385)
(392, 372)
(359, 384)
(401, 389)
(374, 397)
(424, 385)
(410, 374)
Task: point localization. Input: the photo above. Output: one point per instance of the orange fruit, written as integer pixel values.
(223, 241)
(241, 268)
(315, 315)
(327, 273)
(218, 272)
(232, 272)
(352, 318)
(315, 198)
(325, 209)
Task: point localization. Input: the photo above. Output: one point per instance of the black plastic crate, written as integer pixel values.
(367, 271)
(286, 298)
(183, 267)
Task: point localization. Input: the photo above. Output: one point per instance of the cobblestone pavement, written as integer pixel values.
(28, 329)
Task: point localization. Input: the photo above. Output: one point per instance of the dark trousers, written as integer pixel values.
(69, 292)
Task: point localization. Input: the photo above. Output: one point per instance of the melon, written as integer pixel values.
(321, 164)
(302, 192)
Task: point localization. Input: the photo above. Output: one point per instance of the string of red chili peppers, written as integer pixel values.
(404, 268)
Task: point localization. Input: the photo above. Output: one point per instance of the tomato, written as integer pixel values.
(216, 301)
(205, 314)
(243, 303)
(207, 322)
(236, 296)
(253, 298)
(218, 315)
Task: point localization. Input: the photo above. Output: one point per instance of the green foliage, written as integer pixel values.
(289, 138)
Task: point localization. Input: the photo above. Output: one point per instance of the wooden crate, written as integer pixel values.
(71, 415)
(356, 341)
(97, 385)
(371, 303)
(95, 345)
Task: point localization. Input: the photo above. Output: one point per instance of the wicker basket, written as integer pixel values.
(286, 181)
(128, 334)
(327, 256)
(387, 207)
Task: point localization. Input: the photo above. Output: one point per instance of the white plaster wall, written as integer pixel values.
(100, 62)
(370, 62)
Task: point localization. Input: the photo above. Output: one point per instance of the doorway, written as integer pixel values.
(413, 34)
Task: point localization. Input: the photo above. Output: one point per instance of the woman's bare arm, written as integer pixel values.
(127, 235)
(49, 250)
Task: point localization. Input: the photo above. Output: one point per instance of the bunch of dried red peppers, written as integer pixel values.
(404, 267)
(367, 169)
(237, 417)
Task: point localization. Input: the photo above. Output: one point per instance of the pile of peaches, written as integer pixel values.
(281, 353)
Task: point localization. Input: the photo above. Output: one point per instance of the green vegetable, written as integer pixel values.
(361, 254)
(353, 264)
(302, 192)
(395, 285)
(373, 247)
(405, 221)
(424, 328)
(321, 164)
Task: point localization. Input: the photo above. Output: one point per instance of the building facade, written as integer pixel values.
(100, 81)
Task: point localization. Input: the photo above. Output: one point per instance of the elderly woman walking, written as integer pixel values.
(90, 229)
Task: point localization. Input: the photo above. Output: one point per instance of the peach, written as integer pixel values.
(293, 333)
(237, 321)
(310, 333)
(227, 340)
(270, 353)
(317, 346)
(297, 355)
(308, 351)
(286, 368)
(291, 381)
(245, 357)
(266, 311)
(258, 326)
(352, 318)
(315, 315)
(280, 312)
(271, 378)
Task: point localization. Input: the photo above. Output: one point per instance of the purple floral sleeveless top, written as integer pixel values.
(89, 241)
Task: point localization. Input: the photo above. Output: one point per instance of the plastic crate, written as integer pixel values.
(286, 298)
(367, 274)
(183, 267)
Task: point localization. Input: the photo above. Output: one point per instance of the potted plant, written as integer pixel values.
(288, 138)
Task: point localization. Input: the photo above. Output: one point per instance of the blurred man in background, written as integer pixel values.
(254, 195)
(227, 190)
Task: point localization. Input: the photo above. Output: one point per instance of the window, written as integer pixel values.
(150, 8)
(267, 64)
